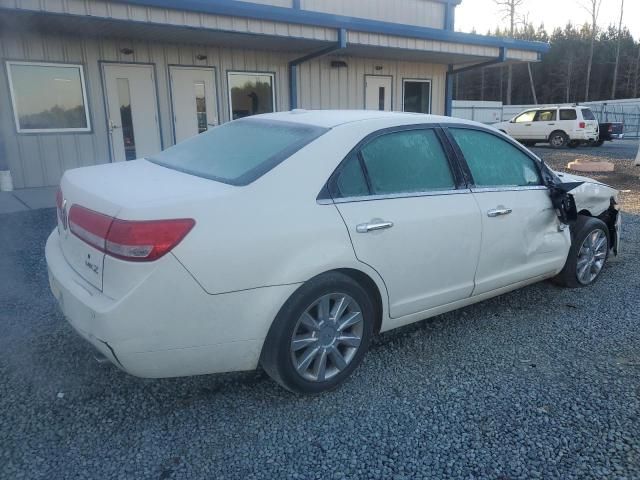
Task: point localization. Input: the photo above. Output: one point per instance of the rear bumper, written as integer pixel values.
(585, 136)
(167, 326)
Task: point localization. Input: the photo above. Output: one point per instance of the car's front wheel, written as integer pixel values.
(588, 254)
(320, 335)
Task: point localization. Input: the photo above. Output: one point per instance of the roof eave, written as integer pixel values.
(305, 17)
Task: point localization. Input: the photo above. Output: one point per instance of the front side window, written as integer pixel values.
(546, 115)
(238, 152)
(568, 114)
(417, 96)
(587, 114)
(405, 162)
(494, 162)
(525, 117)
(250, 94)
(48, 97)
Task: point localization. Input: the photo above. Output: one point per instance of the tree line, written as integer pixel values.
(561, 76)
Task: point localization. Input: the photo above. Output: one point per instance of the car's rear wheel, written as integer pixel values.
(588, 254)
(558, 139)
(320, 335)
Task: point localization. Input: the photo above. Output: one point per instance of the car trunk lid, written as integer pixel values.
(92, 199)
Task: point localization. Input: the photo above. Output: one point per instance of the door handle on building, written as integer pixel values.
(112, 126)
(499, 211)
(371, 227)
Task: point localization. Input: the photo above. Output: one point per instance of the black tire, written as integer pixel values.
(573, 144)
(528, 143)
(558, 139)
(277, 357)
(583, 227)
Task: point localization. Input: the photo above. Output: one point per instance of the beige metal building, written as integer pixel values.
(94, 81)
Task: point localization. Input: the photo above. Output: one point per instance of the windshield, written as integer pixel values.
(588, 114)
(238, 152)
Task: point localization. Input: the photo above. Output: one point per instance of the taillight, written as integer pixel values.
(140, 241)
(610, 128)
(146, 240)
(583, 125)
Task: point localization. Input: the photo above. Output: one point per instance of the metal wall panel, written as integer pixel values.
(39, 159)
(423, 13)
(323, 86)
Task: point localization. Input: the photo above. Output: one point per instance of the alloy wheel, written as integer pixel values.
(591, 256)
(327, 337)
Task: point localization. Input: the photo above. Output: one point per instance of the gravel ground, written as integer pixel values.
(539, 383)
(625, 177)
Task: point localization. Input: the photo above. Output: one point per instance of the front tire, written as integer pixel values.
(588, 253)
(320, 335)
(558, 139)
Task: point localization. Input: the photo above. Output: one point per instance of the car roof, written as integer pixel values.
(334, 118)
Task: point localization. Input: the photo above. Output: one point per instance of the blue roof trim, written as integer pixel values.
(305, 17)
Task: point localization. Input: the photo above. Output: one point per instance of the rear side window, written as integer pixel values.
(399, 162)
(494, 162)
(238, 152)
(568, 114)
(407, 161)
(587, 114)
(351, 181)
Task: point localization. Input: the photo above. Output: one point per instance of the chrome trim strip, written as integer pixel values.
(391, 196)
(507, 189)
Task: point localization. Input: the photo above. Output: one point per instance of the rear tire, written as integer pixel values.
(558, 139)
(317, 340)
(588, 253)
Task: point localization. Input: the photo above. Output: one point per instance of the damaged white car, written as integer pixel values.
(290, 239)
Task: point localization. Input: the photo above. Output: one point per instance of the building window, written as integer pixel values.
(416, 95)
(48, 97)
(250, 94)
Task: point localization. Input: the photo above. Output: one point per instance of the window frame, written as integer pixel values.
(254, 73)
(83, 86)
(331, 194)
(418, 80)
(540, 166)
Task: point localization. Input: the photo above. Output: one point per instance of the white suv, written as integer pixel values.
(559, 126)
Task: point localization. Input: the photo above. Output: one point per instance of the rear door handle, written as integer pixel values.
(551, 124)
(498, 212)
(371, 227)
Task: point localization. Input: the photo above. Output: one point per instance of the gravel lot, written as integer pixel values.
(539, 383)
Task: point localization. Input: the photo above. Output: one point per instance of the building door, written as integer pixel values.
(132, 111)
(377, 92)
(193, 93)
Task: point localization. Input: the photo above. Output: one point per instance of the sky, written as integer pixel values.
(484, 14)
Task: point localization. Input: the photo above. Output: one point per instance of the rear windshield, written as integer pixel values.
(588, 114)
(238, 152)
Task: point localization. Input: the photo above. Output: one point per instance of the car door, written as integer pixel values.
(544, 123)
(410, 218)
(521, 127)
(522, 237)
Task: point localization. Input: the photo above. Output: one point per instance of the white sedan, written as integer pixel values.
(289, 239)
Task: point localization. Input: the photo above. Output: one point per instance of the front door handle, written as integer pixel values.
(371, 227)
(499, 211)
